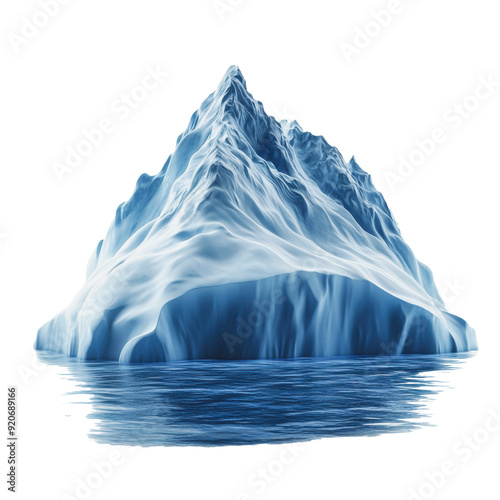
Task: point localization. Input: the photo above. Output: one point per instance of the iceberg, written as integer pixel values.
(256, 240)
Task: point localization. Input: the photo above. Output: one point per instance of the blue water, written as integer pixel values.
(213, 403)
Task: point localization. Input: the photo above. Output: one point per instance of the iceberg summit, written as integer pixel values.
(256, 240)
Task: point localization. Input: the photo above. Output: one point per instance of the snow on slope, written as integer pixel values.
(255, 240)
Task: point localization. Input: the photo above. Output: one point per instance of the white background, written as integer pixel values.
(429, 57)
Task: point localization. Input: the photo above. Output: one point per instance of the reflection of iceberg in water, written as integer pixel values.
(207, 403)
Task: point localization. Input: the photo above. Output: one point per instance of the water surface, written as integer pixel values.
(212, 403)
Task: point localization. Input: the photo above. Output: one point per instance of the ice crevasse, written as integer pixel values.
(255, 240)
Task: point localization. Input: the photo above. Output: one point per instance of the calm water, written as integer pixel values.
(211, 403)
